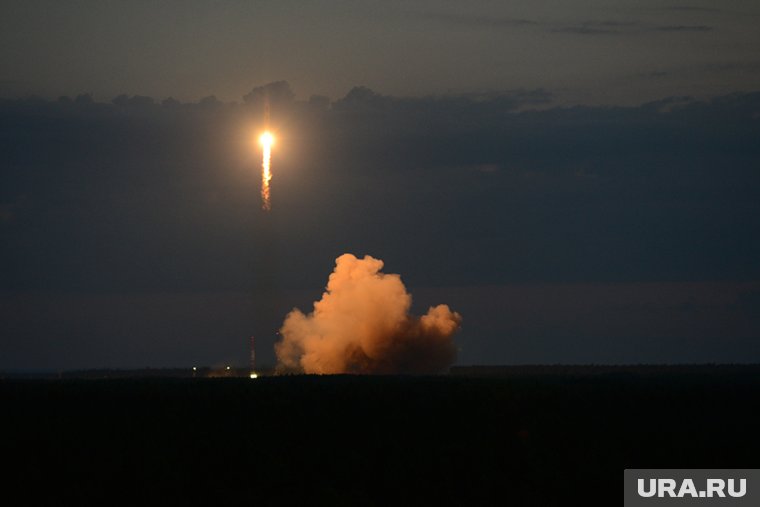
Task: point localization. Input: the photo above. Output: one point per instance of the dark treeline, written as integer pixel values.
(525, 439)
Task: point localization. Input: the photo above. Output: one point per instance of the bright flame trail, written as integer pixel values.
(266, 140)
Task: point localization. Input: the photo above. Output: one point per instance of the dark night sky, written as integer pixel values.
(579, 179)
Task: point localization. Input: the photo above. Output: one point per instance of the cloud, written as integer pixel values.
(683, 28)
(585, 30)
(625, 28)
(276, 92)
(700, 71)
(690, 8)
(364, 99)
(478, 21)
(135, 101)
(586, 27)
(149, 195)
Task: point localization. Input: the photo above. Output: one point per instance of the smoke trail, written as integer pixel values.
(266, 140)
(362, 325)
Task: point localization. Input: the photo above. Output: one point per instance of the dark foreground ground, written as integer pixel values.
(519, 437)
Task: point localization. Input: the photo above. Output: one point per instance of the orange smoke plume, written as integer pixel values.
(362, 325)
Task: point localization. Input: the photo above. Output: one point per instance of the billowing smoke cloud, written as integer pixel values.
(362, 325)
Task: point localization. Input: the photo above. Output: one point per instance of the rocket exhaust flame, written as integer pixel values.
(363, 325)
(267, 140)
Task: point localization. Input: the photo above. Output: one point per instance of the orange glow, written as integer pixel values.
(267, 140)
